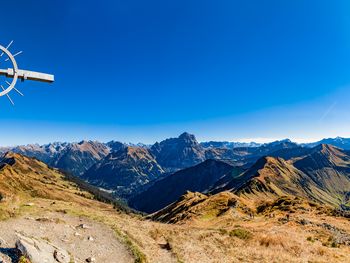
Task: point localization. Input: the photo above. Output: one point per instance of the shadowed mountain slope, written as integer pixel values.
(125, 170)
(201, 178)
(290, 153)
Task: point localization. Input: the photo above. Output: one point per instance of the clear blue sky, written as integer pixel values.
(146, 70)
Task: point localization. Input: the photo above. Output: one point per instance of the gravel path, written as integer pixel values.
(81, 237)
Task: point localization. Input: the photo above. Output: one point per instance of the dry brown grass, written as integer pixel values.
(301, 238)
(210, 240)
(197, 240)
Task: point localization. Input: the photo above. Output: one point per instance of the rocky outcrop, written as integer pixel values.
(41, 251)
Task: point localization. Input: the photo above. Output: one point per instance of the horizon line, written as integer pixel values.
(257, 140)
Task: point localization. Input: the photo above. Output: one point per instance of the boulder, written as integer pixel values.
(40, 251)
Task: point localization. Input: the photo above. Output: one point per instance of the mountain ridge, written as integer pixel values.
(201, 178)
(125, 170)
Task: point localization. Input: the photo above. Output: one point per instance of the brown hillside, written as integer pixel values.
(23, 177)
(192, 206)
(273, 177)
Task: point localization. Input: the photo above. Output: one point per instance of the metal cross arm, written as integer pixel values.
(11, 73)
(28, 75)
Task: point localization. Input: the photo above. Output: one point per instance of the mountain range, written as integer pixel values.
(276, 208)
(75, 158)
(208, 202)
(172, 154)
(167, 169)
(109, 165)
(322, 175)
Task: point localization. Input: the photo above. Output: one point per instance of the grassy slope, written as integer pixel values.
(217, 230)
(274, 177)
(287, 229)
(28, 186)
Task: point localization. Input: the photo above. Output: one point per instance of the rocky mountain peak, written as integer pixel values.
(188, 137)
(177, 153)
(115, 146)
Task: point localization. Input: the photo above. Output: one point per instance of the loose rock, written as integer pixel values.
(39, 251)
